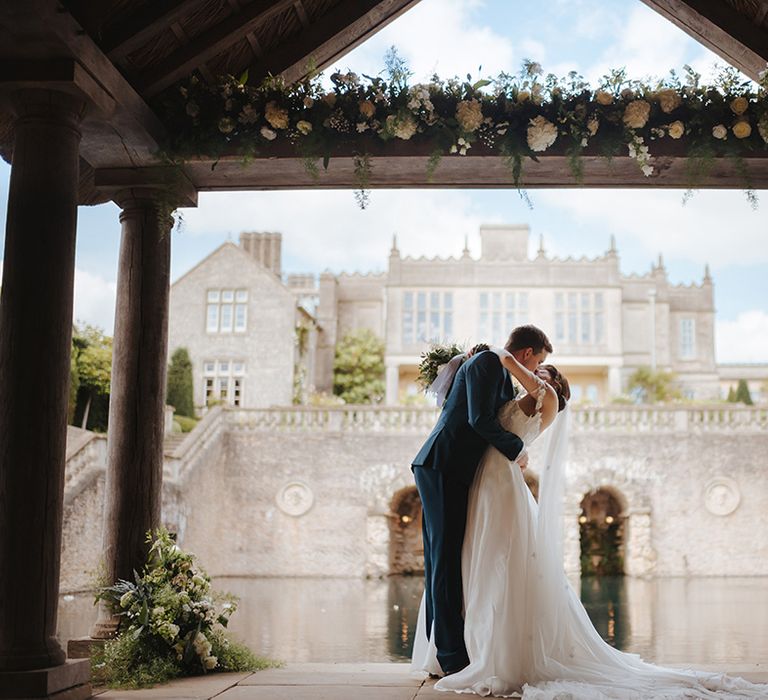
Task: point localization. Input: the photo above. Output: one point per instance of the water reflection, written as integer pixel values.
(703, 621)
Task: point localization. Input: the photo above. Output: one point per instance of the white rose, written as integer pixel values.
(676, 129)
(210, 662)
(636, 114)
(541, 134)
(268, 134)
(304, 126)
(720, 132)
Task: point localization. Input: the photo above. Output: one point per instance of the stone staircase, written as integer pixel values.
(172, 441)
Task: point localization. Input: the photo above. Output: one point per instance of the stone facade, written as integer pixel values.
(241, 326)
(316, 492)
(603, 324)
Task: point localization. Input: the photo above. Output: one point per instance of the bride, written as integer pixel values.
(526, 631)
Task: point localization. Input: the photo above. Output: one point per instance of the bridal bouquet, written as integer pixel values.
(171, 622)
(433, 360)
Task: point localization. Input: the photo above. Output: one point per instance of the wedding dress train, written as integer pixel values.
(526, 631)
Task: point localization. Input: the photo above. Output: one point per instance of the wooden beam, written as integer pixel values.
(140, 27)
(330, 37)
(210, 44)
(721, 29)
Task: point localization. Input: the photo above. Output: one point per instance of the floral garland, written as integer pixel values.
(516, 117)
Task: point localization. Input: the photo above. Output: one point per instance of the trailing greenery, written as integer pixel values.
(358, 368)
(180, 386)
(171, 623)
(653, 386)
(601, 549)
(517, 117)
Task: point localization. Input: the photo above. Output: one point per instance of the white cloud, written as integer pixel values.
(744, 339)
(715, 227)
(94, 300)
(326, 229)
(437, 36)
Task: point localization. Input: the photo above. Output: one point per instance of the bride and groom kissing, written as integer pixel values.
(498, 616)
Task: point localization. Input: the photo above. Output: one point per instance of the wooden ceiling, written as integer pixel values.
(123, 53)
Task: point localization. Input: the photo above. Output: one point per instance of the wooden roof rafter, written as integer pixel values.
(724, 27)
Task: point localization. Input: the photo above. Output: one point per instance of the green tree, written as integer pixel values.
(92, 354)
(180, 394)
(653, 386)
(742, 393)
(731, 395)
(358, 368)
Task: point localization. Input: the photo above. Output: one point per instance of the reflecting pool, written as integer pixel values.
(672, 620)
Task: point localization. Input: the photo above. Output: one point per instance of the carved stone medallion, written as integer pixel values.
(721, 496)
(295, 498)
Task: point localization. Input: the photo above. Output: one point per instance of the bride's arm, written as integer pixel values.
(545, 394)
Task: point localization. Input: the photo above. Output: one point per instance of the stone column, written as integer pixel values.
(35, 344)
(137, 397)
(393, 385)
(614, 381)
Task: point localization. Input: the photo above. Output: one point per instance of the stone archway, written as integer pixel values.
(602, 533)
(406, 550)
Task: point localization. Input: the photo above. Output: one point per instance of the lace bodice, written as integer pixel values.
(514, 419)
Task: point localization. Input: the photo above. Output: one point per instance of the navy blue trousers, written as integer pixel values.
(444, 517)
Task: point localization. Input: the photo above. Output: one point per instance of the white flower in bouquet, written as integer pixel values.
(741, 129)
(676, 129)
(159, 611)
(636, 114)
(126, 599)
(639, 152)
(367, 108)
(739, 105)
(603, 97)
(210, 662)
(276, 115)
(720, 132)
(403, 127)
(669, 100)
(542, 133)
(268, 134)
(469, 115)
(303, 126)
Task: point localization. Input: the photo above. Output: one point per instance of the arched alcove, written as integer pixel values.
(406, 549)
(602, 528)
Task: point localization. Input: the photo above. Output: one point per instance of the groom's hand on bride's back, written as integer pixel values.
(477, 348)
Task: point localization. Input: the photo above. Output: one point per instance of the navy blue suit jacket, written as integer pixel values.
(469, 422)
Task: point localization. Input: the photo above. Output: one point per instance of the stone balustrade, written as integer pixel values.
(614, 419)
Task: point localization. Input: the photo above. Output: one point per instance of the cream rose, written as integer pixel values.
(669, 100)
(541, 134)
(739, 105)
(401, 127)
(720, 132)
(329, 98)
(303, 126)
(604, 98)
(367, 108)
(226, 125)
(636, 114)
(276, 115)
(741, 129)
(523, 96)
(268, 134)
(469, 114)
(676, 129)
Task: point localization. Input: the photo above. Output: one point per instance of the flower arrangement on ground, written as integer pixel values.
(516, 117)
(171, 623)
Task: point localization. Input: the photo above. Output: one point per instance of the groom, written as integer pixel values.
(444, 469)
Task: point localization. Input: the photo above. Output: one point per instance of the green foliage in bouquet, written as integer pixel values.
(171, 623)
(432, 360)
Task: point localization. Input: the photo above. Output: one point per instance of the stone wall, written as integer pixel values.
(310, 492)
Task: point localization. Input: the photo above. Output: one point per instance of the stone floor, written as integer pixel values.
(327, 682)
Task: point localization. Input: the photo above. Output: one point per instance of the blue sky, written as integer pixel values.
(326, 230)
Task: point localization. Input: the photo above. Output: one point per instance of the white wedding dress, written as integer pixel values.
(526, 631)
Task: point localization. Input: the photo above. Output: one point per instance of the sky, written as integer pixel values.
(325, 230)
